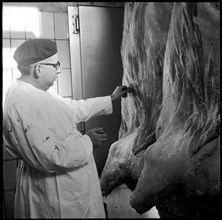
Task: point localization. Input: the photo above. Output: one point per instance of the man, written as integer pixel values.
(56, 176)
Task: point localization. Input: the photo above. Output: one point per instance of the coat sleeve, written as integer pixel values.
(85, 109)
(38, 146)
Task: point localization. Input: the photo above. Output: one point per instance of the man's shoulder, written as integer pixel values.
(16, 96)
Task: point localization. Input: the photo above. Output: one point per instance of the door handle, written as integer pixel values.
(75, 24)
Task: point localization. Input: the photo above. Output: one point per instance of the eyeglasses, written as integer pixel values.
(55, 65)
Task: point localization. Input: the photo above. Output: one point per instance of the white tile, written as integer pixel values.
(63, 53)
(7, 81)
(6, 155)
(47, 25)
(64, 82)
(9, 202)
(6, 54)
(17, 22)
(32, 23)
(15, 44)
(9, 174)
(61, 25)
(5, 22)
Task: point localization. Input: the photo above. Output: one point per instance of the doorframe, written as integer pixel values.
(75, 58)
(75, 54)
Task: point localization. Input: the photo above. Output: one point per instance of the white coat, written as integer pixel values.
(57, 175)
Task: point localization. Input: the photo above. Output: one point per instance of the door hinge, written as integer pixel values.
(75, 23)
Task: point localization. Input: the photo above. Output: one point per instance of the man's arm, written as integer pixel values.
(92, 107)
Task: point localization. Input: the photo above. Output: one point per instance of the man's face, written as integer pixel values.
(48, 72)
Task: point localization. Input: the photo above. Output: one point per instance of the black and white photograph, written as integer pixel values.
(111, 110)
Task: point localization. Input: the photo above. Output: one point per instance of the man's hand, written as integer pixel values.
(97, 136)
(120, 91)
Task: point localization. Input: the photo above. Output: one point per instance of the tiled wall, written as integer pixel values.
(19, 25)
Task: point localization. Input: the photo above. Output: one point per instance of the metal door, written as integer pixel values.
(99, 35)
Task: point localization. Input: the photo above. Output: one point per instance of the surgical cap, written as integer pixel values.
(34, 50)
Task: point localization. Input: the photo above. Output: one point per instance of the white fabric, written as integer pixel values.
(57, 176)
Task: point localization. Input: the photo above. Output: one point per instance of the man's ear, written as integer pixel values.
(37, 71)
